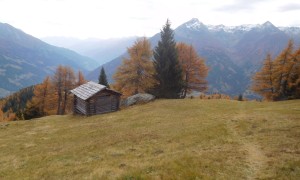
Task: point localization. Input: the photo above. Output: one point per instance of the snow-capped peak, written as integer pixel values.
(268, 24)
(242, 28)
(231, 29)
(290, 30)
(194, 24)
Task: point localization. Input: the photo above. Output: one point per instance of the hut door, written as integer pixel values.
(103, 104)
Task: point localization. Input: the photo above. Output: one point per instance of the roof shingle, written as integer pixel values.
(87, 90)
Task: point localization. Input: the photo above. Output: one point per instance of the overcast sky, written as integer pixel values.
(122, 18)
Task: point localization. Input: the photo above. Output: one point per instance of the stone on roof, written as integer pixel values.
(87, 90)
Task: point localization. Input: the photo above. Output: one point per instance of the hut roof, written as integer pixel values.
(88, 89)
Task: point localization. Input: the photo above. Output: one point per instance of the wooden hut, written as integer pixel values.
(92, 98)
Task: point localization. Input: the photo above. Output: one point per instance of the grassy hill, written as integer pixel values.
(165, 139)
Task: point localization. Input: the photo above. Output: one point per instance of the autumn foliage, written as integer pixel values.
(42, 95)
(278, 79)
(7, 116)
(52, 95)
(264, 80)
(176, 69)
(135, 75)
(194, 70)
(80, 78)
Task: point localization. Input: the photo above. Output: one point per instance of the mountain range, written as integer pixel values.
(26, 60)
(233, 53)
(102, 50)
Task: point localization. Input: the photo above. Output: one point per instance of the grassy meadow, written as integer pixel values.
(165, 139)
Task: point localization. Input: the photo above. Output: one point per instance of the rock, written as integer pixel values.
(140, 98)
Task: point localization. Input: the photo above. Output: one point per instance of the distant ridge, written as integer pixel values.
(26, 60)
(102, 50)
(195, 24)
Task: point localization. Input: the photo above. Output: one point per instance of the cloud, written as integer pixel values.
(235, 7)
(240, 5)
(289, 7)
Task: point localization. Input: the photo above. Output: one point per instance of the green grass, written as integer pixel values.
(165, 139)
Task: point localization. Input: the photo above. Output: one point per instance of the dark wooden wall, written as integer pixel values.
(102, 102)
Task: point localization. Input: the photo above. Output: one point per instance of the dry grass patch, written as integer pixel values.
(166, 139)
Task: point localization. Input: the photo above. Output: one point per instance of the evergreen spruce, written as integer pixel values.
(102, 78)
(167, 67)
(240, 98)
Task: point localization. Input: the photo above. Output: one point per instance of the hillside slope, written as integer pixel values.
(166, 139)
(26, 60)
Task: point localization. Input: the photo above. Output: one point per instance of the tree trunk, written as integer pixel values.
(186, 85)
(65, 102)
(58, 101)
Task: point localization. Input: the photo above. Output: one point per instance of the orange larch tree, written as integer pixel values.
(1, 115)
(263, 80)
(194, 69)
(282, 67)
(57, 81)
(63, 81)
(80, 79)
(279, 79)
(294, 75)
(52, 96)
(69, 83)
(135, 75)
(37, 106)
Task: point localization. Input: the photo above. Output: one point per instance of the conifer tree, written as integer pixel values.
(279, 79)
(69, 83)
(263, 80)
(135, 75)
(102, 78)
(57, 81)
(282, 65)
(63, 81)
(81, 80)
(240, 98)
(37, 107)
(294, 75)
(11, 115)
(167, 67)
(1, 115)
(193, 68)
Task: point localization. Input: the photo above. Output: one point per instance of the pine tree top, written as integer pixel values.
(102, 78)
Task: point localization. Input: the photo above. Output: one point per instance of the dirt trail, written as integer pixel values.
(255, 158)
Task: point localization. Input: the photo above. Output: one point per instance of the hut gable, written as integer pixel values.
(92, 98)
